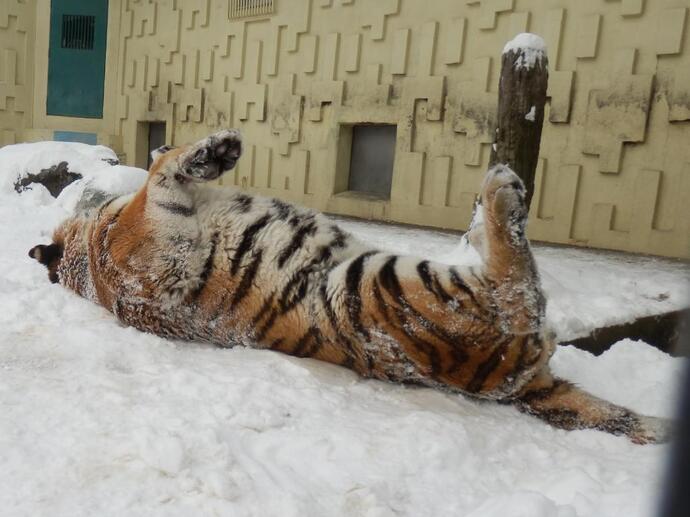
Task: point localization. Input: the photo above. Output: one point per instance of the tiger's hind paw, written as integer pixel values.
(503, 198)
(209, 158)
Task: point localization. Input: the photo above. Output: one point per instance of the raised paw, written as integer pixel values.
(209, 158)
(503, 198)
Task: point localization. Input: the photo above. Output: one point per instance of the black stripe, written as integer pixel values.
(296, 242)
(625, 423)
(481, 280)
(323, 292)
(247, 279)
(382, 305)
(522, 362)
(353, 299)
(264, 309)
(339, 237)
(484, 369)
(284, 210)
(243, 203)
(389, 281)
(429, 349)
(333, 319)
(460, 284)
(431, 283)
(208, 267)
(274, 344)
(561, 417)
(296, 288)
(308, 344)
(267, 326)
(177, 208)
(247, 241)
(316, 344)
(543, 393)
(294, 292)
(105, 205)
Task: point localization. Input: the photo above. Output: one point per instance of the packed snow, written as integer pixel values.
(531, 47)
(100, 419)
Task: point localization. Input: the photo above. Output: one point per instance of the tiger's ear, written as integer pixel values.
(46, 254)
(160, 151)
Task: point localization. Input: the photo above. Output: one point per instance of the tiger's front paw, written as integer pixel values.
(209, 158)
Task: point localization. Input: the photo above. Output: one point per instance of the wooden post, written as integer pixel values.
(521, 100)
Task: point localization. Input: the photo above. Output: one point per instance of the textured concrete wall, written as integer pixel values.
(16, 68)
(615, 161)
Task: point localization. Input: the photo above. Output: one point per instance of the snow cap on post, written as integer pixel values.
(531, 48)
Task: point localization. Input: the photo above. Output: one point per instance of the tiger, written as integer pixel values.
(184, 259)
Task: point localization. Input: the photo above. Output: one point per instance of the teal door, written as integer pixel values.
(76, 59)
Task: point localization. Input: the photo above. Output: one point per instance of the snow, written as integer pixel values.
(530, 47)
(100, 419)
(531, 114)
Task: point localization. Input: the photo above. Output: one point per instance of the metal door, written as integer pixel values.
(76, 59)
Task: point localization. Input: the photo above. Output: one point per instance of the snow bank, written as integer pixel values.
(99, 419)
(532, 48)
(91, 161)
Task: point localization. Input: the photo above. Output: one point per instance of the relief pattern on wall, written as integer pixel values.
(614, 170)
(16, 22)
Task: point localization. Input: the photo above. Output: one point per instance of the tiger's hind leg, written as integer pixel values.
(566, 406)
(508, 262)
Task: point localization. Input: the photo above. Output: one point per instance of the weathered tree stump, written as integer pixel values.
(521, 100)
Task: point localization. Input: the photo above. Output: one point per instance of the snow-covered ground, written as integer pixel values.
(99, 419)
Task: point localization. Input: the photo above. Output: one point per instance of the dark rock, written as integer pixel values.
(662, 331)
(55, 179)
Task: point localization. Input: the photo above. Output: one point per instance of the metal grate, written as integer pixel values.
(244, 8)
(77, 31)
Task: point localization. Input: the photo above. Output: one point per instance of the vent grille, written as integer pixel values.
(78, 31)
(244, 8)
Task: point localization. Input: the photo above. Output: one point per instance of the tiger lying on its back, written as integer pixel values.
(185, 260)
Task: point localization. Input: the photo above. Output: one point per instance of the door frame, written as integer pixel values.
(106, 127)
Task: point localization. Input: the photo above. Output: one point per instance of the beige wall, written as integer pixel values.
(16, 68)
(615, 161)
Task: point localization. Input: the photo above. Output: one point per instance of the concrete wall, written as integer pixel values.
(16, 70)
(615, 162)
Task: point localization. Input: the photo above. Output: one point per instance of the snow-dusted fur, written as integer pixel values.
(191, 261)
